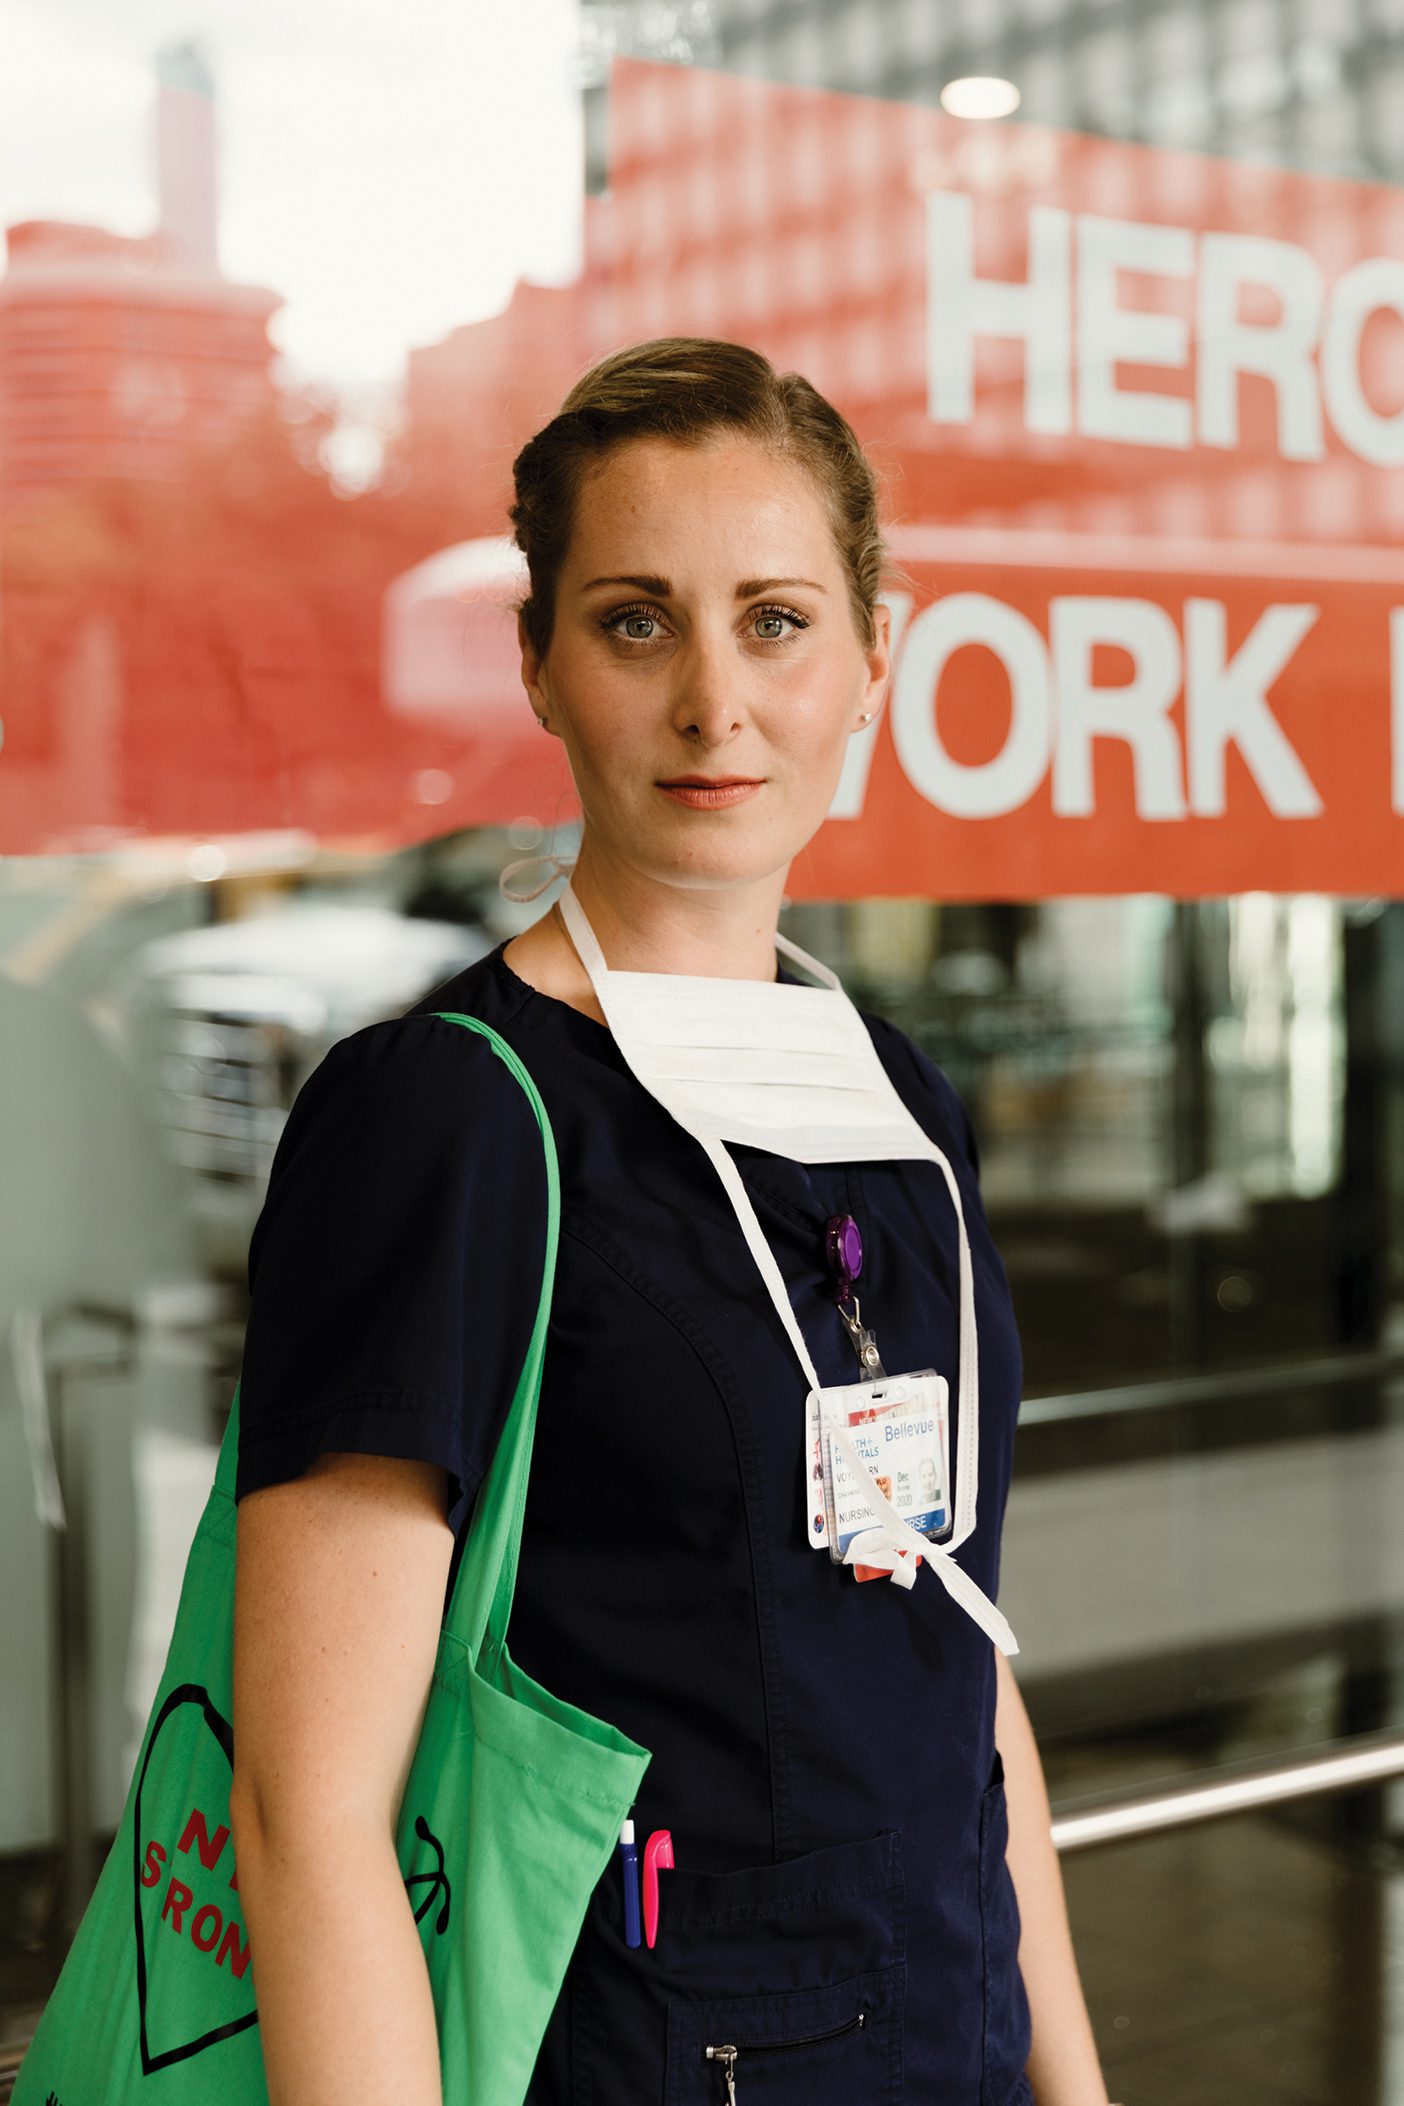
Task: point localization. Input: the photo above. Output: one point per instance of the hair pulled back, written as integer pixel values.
(685, 389)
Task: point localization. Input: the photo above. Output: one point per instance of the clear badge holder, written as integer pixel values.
(900, 1427)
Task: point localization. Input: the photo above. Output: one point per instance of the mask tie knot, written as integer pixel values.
(561, 866)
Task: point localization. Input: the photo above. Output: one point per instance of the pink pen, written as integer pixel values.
(658, 1856)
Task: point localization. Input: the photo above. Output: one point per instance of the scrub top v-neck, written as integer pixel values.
(840, 1911)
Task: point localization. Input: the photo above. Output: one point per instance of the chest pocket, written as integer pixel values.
(797, 1977)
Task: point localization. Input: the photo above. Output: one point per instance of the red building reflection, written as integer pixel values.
(131, 357)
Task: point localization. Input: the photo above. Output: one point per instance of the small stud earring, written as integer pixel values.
(866, 717)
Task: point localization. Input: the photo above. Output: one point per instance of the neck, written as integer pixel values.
(714, 932)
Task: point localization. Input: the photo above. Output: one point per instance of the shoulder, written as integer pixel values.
(925, 1088)
(409, 1194)
(405, 1066)
(397, 1123)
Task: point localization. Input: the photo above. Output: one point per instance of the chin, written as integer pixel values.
(722, 870)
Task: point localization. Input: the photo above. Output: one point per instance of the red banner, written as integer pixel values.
(1141, 421)
(1076, 716)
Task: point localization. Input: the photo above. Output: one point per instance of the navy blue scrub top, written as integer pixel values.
(823, 1749)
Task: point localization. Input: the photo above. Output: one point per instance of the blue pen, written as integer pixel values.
(629, 1862)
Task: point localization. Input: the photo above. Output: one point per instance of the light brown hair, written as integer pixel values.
(685, 389)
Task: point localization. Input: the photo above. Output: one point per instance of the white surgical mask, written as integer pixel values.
(793, 1069)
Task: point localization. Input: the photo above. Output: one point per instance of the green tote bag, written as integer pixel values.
(510, 1814)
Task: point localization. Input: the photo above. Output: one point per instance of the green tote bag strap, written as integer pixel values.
(487, 1572)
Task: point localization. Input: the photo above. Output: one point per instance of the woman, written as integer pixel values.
(705, 561)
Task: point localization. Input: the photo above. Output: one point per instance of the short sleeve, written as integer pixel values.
(395, 1268)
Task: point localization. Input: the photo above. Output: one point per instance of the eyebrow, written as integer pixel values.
(661, 588)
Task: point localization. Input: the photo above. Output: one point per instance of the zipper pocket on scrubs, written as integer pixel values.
(727, 2053)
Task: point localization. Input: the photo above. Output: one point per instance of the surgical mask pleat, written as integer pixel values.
(726, 1018)
(758, 1065)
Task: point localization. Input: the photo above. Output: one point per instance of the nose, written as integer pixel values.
(705, 696)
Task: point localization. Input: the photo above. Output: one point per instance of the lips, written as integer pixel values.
(708, 782)
(708, 796)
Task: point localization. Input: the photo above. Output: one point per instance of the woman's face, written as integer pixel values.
(703, 628)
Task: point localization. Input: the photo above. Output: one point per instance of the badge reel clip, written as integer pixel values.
(844, 1246)
(898, 1425)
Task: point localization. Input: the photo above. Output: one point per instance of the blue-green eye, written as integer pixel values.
(640, 624)
(768, 621)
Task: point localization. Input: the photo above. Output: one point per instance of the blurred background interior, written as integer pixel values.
(263, 753)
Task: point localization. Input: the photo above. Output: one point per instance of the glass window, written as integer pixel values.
(1123, 854)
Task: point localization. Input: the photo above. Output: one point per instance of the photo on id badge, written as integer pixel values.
(899, 1427)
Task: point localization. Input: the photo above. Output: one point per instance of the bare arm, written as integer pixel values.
(340, 1580)
(1063, 2066)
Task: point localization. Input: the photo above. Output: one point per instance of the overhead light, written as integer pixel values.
(980, 95)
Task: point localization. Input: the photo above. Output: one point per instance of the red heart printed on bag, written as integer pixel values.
(194, 1983)
(194, 1980)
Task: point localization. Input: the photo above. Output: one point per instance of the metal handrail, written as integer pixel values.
(1178, 1390)
(1116, 1817)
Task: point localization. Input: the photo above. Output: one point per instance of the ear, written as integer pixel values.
(534, 678)
(879, 658)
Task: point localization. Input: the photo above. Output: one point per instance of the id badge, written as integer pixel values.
(900, 1426)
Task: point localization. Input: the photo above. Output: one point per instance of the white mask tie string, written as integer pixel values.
(561, 866)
